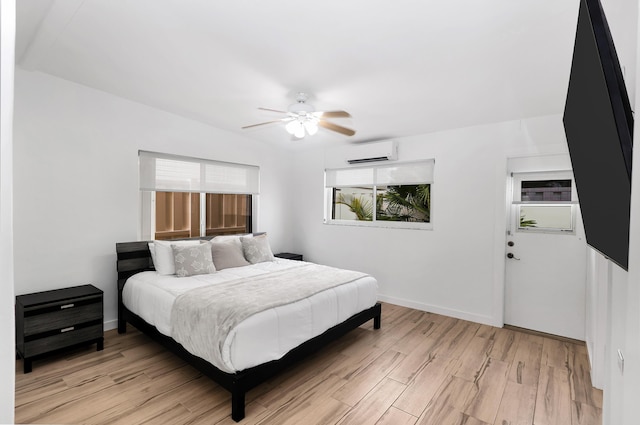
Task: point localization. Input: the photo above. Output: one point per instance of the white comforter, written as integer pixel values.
(265, 336)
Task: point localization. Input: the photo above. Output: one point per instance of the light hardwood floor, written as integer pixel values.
(420, 368)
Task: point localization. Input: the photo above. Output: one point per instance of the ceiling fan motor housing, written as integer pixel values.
(301, 107)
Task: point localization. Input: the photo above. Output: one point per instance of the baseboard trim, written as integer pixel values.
(545, 335)
(458, 314)
(110, 324)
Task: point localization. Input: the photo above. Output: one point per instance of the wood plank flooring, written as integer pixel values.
(419, 369)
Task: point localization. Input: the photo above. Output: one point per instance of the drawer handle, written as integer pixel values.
(62, 307)
(70, 328)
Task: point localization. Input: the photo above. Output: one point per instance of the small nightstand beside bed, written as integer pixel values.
(243, 318)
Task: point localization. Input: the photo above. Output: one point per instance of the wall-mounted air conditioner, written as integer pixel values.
(372, 152)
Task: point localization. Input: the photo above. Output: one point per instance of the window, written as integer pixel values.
(189, 197)
(397, 195)
(180, 215)
(544, 202)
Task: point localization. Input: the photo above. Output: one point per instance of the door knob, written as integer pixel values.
(510, 243)
(510, 255)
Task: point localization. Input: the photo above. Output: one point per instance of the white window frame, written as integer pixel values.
(212, 177)
(371, 176)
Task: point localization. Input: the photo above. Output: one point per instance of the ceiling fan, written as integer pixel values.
(302, 119)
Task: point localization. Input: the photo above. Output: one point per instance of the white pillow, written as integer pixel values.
(163, 258)
(256, 249)
(152, 250)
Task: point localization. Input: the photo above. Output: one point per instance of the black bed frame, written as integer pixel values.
(134, 257)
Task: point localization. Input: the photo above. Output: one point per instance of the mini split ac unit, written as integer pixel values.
(372, 152)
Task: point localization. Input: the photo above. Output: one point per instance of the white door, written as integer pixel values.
(545, 276)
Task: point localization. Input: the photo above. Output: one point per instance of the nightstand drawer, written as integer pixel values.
(63, 316)
(64, 338)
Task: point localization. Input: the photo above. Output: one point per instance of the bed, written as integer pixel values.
(267, 331)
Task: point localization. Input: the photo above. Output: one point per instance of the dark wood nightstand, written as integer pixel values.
(289, 256)
(52, 320)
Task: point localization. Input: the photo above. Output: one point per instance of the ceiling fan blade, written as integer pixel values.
(335, 127)
(333, 114)
(273, 110)
(263, 123)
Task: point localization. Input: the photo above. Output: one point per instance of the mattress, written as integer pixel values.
(265, 336)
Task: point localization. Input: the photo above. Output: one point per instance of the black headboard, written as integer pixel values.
(134, 257)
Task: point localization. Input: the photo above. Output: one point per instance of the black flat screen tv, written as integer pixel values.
(598, 123)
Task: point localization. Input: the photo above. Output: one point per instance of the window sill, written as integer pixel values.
(546, 230)
(381, 224)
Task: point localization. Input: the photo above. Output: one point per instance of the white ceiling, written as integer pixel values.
(400, 68)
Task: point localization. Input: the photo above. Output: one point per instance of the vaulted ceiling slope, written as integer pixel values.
(399, 67)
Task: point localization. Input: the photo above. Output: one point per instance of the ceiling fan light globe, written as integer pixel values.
(293, 126)
(311, 127)
(299, 132)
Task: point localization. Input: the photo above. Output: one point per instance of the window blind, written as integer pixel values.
(173, 173)
(418, 172)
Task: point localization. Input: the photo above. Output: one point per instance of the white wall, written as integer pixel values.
(617, 291)
(622, 16)
(622, 388)
(614, 295)
(76, 180)
(458, 267)
(7, 337)
(597, 314)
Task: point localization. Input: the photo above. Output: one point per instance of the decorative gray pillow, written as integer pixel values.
(193, 259)
(256, 249)
(162, 254)
(228, 254)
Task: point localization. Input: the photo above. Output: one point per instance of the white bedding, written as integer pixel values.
(265, 336)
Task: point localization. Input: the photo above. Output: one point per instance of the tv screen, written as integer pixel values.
(599, 127)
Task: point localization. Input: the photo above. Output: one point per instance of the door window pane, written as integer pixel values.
(546, 217)
(545, 191)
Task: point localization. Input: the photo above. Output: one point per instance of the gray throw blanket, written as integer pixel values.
(202, 318)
